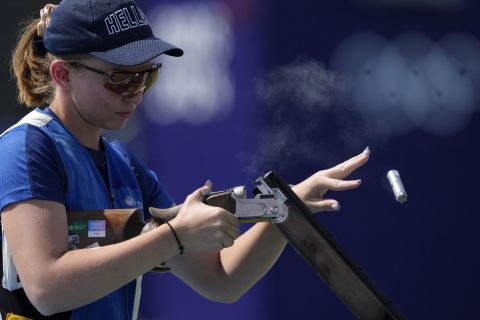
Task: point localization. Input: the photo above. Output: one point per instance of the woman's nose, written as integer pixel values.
(135, 98)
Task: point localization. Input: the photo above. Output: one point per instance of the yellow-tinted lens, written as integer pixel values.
(151, 78)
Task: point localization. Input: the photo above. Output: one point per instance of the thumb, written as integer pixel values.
(200, 193)
(324, 205)
(164, 214)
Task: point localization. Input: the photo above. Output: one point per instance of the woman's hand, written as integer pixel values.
(201, 227)
(312, 190)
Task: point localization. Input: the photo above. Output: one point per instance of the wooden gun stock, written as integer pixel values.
(94, 228)
(103, 227)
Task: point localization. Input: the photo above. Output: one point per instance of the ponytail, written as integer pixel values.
(31, 69)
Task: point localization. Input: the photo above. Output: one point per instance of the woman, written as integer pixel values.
(91, 62)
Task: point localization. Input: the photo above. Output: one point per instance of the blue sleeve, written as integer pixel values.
(153, 192)
(31, 167)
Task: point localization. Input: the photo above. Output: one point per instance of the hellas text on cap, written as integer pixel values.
(125, 19)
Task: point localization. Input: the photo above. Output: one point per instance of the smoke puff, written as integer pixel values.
(309, 121)
(304, 83)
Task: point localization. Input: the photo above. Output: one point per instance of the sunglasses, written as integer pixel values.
(127, 84)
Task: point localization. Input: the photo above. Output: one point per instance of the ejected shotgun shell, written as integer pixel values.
(397, 186)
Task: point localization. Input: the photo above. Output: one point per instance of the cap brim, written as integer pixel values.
(138, 52)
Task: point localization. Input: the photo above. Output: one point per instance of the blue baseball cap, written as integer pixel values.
(115, 31)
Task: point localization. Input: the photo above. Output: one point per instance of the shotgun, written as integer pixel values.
(94, 228)
(274, 201)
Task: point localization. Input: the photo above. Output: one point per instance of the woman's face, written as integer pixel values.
(99, 105)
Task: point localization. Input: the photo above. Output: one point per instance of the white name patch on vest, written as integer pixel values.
(97, 228)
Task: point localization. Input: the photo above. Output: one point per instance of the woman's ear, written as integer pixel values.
(59, 74)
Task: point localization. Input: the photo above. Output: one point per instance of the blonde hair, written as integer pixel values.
(31, 69)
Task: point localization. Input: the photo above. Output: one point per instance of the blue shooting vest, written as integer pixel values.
(86, 190)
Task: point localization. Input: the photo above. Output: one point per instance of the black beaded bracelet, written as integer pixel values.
(180, 245)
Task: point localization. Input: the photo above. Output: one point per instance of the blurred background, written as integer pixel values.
(301, 86)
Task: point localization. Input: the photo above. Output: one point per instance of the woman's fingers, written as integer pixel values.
(204, 227)
(233, 233)
(227, 242)
(339, 185)
(312, 190)
(200, 193)
(231, 219)
(345, 168)
(323, 205)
